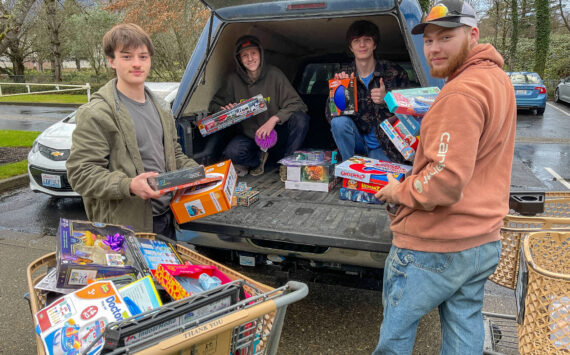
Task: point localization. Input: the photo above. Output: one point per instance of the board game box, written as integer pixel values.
(370, 170)
(225, 118)
(178, 179)
(415, 102)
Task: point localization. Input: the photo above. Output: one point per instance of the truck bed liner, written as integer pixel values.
(301, 217)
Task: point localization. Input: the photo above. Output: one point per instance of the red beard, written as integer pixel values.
(455, 62)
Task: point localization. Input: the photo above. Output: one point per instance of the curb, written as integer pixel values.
(14, 182)
(40, 104)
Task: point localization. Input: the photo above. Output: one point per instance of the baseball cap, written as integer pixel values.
(450, 14)
(245, 42)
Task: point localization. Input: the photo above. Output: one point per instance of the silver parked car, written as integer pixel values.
(562, 92)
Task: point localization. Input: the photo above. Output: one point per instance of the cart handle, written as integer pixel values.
(299, 291)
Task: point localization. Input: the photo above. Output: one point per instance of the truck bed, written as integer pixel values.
(301, 217)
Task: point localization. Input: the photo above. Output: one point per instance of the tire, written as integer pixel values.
(540, 111)
(556, 96)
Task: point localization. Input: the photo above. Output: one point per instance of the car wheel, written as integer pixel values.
(556, 96)
(540, 111)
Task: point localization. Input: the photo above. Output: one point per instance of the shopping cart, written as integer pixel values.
(251, 326)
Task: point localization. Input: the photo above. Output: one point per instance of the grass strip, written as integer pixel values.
(10, 138)
(78, 99)
(13, 169)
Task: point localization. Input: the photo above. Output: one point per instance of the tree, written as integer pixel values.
(174, 27)
(12, 17)
(514, 34)
(561, 7)
(542, 35)
(84, 33)
(53, 26)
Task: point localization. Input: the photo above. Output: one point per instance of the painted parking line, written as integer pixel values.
(558, 108)
(558, 178)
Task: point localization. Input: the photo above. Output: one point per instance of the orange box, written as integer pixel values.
(203, 200)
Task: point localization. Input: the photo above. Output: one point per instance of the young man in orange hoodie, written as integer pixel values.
(450, 209)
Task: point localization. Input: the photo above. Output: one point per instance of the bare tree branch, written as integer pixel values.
(11, 21)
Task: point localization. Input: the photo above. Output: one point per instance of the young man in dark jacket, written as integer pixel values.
(125, 135)
(286, 112)
(361, 133)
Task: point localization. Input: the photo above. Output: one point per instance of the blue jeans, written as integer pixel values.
(350, 141)
(243, 150)
(416, 282)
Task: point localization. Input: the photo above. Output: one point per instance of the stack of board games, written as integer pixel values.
(178, 179)
(409, 106)
(90, 250)
(363, 177)
(225, 118)
(311, 170)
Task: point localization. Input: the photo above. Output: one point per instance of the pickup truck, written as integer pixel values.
(306, 40)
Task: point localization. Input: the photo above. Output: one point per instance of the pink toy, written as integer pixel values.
(267, 142)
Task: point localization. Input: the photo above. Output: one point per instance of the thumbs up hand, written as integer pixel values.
(377, 94)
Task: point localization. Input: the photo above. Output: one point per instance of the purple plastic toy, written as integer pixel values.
(267, 142)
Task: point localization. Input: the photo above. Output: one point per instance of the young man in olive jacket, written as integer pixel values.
(125, 135)
(446, 230)
(286, 112)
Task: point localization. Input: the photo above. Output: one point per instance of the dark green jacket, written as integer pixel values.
(105, 157)
(282, 99)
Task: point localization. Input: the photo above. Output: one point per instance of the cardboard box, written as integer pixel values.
(247, 198)
(412, 123)
(311, 173)
(358, 196)
(403, 140)
(226, 118)
(74, 321)
(310, 186)
(371, 170)
(343, 98)
(178, 179)
(167, 275)
(203, 200)
(362, 186)
(413, 102)
(82, 254)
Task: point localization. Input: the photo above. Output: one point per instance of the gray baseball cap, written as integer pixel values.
(450, 14)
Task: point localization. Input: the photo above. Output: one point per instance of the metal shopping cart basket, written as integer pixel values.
(251, 325)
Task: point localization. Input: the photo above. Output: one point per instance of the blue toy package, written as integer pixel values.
(412, 123)
(415, 102)
(359, 196)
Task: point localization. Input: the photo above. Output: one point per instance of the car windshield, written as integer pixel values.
(521, 78)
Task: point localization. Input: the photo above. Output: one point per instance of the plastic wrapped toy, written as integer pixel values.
(415, 102)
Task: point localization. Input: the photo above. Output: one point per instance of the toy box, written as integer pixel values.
(412, 123)
(413, 102)
(403, 140)
(203, 200)
(370, 170)
(358, 196)
(342, 95)
(149, 253)
(226, 118)
(362, 186)
(247, 198)
(178, 179)
(89, 250)
(171, 278)
(310, 166)
(74, 321)
(311, 173)
(311, 186)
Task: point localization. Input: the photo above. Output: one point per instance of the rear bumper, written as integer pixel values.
(329, 255)
(531, 103)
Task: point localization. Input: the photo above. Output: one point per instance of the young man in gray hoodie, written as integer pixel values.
(286, 112)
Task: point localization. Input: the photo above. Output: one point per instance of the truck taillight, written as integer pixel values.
(541, 89)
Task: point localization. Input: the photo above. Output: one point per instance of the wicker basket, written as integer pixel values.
(515, 228)
(545, 327)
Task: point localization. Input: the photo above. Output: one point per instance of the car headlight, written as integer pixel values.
(35, 147)
(53, 154)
